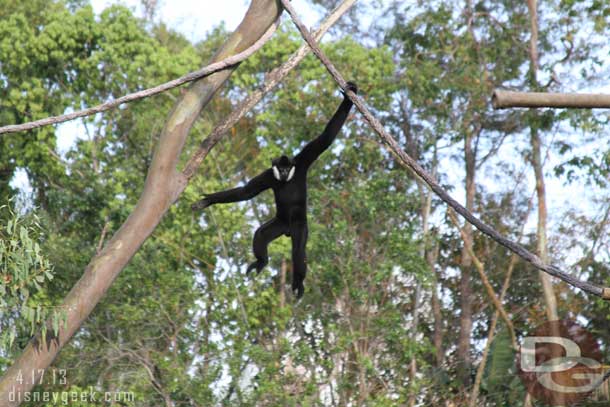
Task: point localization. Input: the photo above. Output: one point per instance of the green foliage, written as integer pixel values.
(24, 271)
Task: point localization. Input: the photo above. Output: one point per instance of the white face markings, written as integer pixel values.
(276, 173)
(290, 174)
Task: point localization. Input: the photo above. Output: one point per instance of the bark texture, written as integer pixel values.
(465, 336)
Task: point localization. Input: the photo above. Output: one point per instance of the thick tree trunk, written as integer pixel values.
(161, 189)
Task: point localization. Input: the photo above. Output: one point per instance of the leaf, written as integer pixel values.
(500, 365)
(55, 319)
(12, 335)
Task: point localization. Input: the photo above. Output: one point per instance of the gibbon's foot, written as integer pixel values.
(200, 205)
(255, 266)
(298, 290)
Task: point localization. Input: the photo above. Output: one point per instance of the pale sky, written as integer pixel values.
(194, 18)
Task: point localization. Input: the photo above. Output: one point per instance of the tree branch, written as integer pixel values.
(230, 61)
(502, 99)
(432, 183)
(494, 321)
(104, 267)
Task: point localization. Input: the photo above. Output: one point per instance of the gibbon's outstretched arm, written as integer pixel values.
(256, 185)
(317, 146)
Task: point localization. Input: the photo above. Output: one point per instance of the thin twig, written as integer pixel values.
(603, 292)
(201, 73)
(490, 335)
(100, 243)
(513, 260)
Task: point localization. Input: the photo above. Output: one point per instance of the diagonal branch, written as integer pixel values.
(494, 321)
(603, 292)
(490, 335)
(230, 61)
(163, 186)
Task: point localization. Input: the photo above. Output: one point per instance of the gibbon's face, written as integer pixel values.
(283, 168)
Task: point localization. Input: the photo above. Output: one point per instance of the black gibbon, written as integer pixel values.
(288, 179)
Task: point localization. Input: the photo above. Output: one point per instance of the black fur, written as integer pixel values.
(290, 198)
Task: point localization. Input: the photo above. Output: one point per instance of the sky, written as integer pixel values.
(193, 20)
(188, 16)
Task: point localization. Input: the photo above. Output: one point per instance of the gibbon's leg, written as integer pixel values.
(298, 233)
(268, 232)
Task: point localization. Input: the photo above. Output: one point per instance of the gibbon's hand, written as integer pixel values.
(200, 205)
(350, 86)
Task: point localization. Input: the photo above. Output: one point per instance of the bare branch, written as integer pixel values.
(502, 99)
(494, 321)
(432, 183)
(228, 62)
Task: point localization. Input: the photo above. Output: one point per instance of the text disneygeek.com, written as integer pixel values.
(66, 397)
